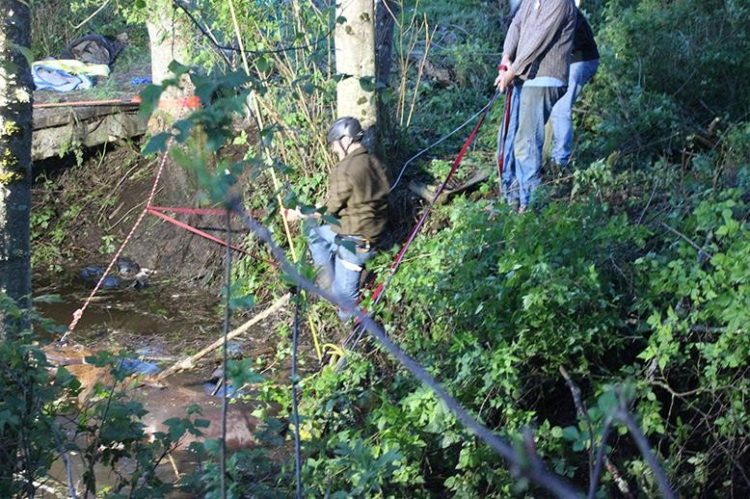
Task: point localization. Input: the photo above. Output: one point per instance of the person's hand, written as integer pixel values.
(504, 78)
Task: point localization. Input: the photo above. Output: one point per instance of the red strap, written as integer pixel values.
(197, 211)
(189, 211)
(400, 256)
(154, 211)
(506, 122)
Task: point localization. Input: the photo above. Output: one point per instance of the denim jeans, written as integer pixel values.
(505, 147)
(561, 117)
(533, 112)
(339, 266)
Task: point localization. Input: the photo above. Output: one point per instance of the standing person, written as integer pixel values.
(358, 197)
(536, 58)
(585, 61)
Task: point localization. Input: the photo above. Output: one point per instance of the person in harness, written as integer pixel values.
(358, 198)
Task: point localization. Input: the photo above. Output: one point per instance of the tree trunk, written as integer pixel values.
(15, 160)
(354, 41)
(171, 250)
(170, 38)
(385, 15)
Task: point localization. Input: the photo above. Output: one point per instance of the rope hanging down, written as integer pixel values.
(504, 133)
(438, 142)
(376, 295)
(79, 313)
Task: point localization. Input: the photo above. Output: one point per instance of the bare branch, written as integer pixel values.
(692, 243)
(643, 446)
(600, 456)
(66, 461)
(595, 463)
(582, 413)
(101, 7)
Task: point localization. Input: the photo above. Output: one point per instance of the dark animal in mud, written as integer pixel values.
(127, 274)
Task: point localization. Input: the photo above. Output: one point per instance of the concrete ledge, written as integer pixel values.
(58, 130)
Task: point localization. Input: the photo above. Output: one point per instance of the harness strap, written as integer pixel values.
(349, 265)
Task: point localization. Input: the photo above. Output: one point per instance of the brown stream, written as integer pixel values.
(158, 325)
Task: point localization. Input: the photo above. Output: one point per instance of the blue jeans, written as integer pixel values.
(561, 117)
(339, 266)
(533, 112)
(505, 139)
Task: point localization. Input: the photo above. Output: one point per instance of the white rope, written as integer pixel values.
(437, 143)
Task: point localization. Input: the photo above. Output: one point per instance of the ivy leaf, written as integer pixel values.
(571, 433)
(150, 99)
(157, 143)
(607, 402)
(178, 69)
(25, 52)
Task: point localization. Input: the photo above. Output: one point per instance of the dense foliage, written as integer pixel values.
(631, 274)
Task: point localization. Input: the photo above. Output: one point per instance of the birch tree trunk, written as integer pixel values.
(354, 42)
(170, 249)
(170, 37)
(15, 160)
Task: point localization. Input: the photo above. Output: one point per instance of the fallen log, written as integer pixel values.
(427, 192)
(189, 362)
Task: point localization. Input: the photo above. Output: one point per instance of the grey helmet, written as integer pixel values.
(345, 127)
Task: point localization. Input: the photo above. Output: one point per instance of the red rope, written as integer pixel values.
(155, 211)
(506, 122)
(79, 313)
(189, 211)
(413, 234)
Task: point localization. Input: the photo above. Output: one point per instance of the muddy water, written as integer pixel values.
(177, 317)
(159, 324)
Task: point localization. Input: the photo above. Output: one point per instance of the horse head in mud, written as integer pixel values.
(126, 274)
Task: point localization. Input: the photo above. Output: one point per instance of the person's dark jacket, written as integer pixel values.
(358, 196)
(584, 45)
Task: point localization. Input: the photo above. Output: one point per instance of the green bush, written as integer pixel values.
(668, 69)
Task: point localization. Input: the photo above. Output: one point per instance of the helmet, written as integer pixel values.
(345, 127)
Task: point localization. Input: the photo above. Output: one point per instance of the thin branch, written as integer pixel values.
(101, 7)
(66, 461)
(692, 243)
(582, 413)
(645, 208)
(674, 393)
(595, 463)
(206, 31)
(600, 457)
(643, 446)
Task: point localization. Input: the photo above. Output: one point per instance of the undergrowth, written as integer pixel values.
(630, 274)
